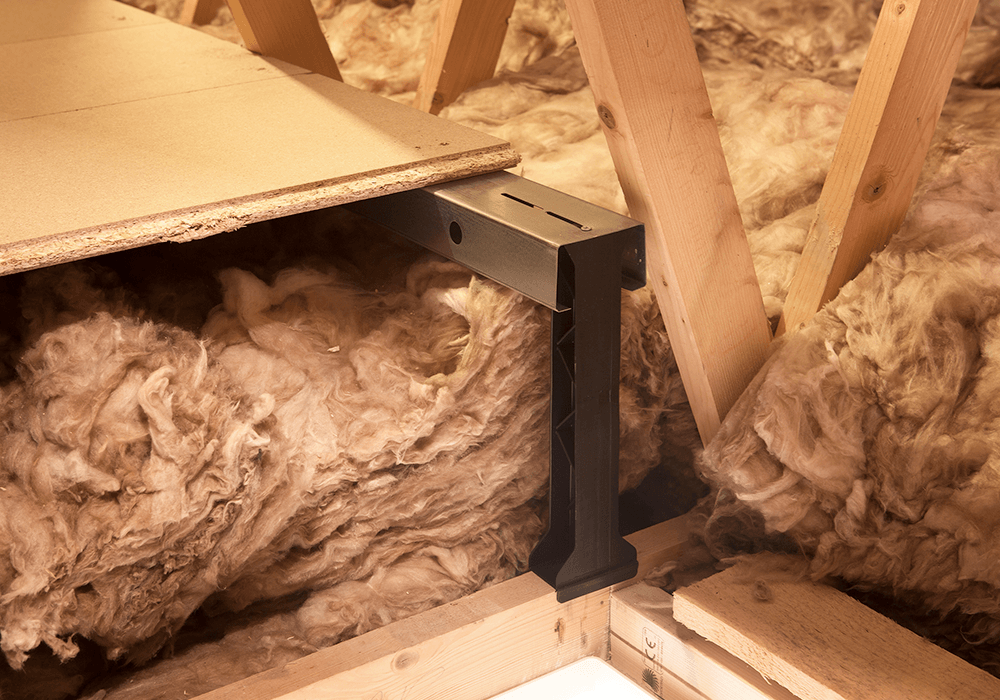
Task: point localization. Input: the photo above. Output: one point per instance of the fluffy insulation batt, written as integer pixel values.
(870, 436)
(363, 434)
(317, 434)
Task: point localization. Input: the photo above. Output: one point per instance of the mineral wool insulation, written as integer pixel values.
(870, 437)
(361, 437)
(165, 460)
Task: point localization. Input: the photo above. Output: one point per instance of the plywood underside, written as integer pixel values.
(122, 129)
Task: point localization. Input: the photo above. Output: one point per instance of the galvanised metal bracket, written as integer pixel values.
(573, 257)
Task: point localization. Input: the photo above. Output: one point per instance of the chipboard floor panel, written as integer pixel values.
(122, 129)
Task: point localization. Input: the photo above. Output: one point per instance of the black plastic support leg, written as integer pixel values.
(575, 258)
(583, 551)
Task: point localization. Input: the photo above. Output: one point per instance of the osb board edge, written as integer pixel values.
(200, 222)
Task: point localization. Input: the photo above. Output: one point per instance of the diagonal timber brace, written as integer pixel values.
(573, 257)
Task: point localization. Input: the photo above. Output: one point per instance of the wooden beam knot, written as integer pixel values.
(607, 117)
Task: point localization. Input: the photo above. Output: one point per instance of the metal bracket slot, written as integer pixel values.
(574, 258)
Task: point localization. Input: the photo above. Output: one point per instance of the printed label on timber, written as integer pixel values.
(652, 659)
